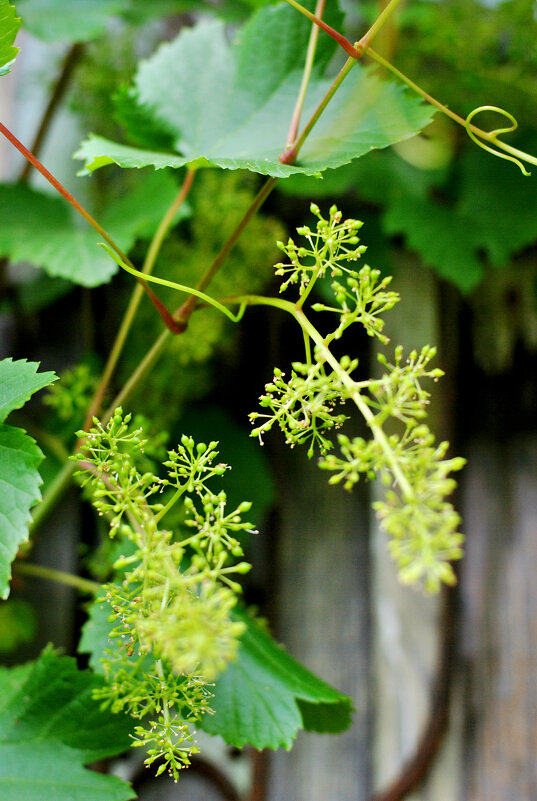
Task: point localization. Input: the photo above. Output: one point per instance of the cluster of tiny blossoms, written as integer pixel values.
(333, 242)
(400, 450)
(171, 606)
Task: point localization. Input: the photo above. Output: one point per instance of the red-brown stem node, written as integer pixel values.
(347, 46)
(288, 156)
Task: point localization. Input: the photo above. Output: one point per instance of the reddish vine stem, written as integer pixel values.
(347, 46)
(34, 161)
(69, 65)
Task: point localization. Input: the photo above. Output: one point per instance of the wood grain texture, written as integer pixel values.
(323, 620)
(500, 621)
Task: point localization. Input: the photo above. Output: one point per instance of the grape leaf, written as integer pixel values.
(9, 26)
(63, 244)
(265, 697)
(499, 201)
(19, 460)
(444, 239)
(50, 727)
(230, 105)
(18, 382)
(454, 238)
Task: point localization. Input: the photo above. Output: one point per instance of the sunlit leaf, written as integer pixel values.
(230, 105)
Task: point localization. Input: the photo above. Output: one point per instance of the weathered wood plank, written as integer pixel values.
(500, 621)
(323, 620)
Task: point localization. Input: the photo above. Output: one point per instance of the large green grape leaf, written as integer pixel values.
(9, 26)
(265, 697)
(43, 230)
(19, 460)
(50, 727)
(230, 105)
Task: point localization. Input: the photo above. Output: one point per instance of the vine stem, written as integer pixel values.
(179, 287)
(126, 323)
(418, 766)
(486, 135)
(386, 12)
(59, 576)
(184, 312)
(358, 400)
(347, 46)
(138, 375)
(290, 154)
(162, 310)
(357, 50)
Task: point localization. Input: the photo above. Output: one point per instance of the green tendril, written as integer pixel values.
(494, 134)
(235, 318)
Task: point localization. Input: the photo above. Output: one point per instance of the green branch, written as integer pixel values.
(59, 576)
